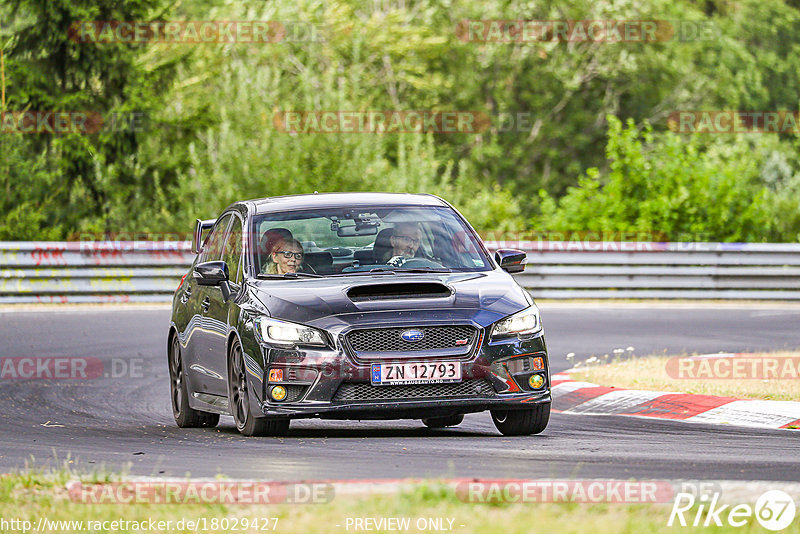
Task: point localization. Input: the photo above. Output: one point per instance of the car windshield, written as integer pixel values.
(352, 241)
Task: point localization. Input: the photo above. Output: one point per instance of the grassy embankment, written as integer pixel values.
(652, 373)
(32, 495)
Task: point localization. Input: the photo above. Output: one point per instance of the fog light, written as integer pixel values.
(536, 381)
(277, 393)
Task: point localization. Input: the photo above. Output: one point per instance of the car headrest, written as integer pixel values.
(271, 237)
(382, 250)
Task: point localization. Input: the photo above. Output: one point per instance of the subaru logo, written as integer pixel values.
(412, 335)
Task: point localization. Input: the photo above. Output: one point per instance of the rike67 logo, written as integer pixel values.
(774, 510)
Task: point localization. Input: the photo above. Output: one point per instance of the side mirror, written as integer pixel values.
(214, 273)
(211, 273)
(510, 260)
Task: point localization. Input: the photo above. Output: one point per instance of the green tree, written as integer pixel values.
(664, 184)
(210, 138)
(75, 180)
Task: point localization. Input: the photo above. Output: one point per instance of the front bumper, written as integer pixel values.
(416, 409)
(317, 378)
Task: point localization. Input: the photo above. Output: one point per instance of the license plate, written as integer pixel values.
(384, 374)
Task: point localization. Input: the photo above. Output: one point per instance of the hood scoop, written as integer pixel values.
(422, 290)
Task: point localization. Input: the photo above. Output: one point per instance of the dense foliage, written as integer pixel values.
(596, 154)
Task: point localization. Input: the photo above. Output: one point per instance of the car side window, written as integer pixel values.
(232, 253)
(212, 248)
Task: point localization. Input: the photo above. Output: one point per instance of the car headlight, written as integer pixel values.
(521, 323)
(288, 334)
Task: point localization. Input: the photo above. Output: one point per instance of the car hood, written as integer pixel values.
(334, 303)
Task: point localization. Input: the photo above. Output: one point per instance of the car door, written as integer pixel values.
(214, 356)
(201, 338)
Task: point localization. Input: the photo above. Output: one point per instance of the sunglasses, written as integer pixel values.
(289, 255)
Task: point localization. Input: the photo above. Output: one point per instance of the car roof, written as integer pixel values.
(319, 200)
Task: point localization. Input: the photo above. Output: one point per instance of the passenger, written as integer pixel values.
(406, 239)
(269, 239)
(286, 257)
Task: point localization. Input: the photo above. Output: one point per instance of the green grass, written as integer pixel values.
(650, 374)
(29, 495)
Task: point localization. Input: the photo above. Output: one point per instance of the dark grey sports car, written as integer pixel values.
(353, 306)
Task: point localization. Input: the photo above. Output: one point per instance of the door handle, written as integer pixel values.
(206, 304)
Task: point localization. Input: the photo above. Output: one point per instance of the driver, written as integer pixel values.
(406, 239)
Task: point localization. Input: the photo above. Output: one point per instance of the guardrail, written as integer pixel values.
(607, 270)
(92, 271)
(62, 272)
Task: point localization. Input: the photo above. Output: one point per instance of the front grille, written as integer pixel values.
(360, 391)
(434, 337)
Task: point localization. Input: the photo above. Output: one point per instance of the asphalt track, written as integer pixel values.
(126, 423)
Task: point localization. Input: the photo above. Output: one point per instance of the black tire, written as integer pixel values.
(442, 422)
(239, 401)
(522, 422)
(185, 417)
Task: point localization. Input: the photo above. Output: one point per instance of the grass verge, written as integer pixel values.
(33, 495)
(658, 373)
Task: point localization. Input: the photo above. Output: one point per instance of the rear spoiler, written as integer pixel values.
(199, 227)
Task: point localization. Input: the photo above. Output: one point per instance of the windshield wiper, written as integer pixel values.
(376, 270)
(287, 276)
(381, 270)
(392, 270)
(423, 270)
